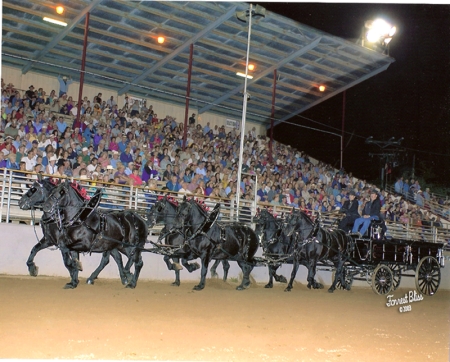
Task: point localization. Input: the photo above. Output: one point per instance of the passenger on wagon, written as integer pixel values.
(371, 212)
(350, 209)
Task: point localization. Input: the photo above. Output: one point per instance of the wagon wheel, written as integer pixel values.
(382, 280)
(428, 275)
(348, 277)
(396, 272)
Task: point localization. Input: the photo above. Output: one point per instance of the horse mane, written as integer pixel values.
(170, 199)
(201, 203)
(81, 191)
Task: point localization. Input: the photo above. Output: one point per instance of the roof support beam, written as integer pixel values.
(269, 70)
(332, 94)
(179, 50)
(61, 35)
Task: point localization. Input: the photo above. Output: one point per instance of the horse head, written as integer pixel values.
(61, 197)
(37, 193)
(298, 221)
(190, 213)
(163, 211)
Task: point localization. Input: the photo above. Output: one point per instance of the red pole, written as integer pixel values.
(188, 93)
(272, 113)
(83, 66)
(343, 123)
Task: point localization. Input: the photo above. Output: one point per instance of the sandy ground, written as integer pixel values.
(156, 321)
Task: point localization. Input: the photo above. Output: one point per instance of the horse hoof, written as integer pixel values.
(198, 287)
(89, 281)
(308, 286)
(318, 286)
(176, 284)
(130, 286)
(33, 271)
(70, 286)
(214, 275)
(196, 266)
(242, 287)
(268, 286)
(287, 289)
(330, 290)
(282, 279)
(177, 266)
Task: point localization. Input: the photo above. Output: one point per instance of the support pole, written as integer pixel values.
(244, 113)
(83, 66)
(272, 113)
(343, 124)
(188, 94)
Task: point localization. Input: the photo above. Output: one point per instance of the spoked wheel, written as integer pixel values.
(396, 272)
(428, 275)
(382, 280)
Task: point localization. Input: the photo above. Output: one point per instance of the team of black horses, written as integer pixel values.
(72, 222)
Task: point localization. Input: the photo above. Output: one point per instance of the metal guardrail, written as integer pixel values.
(435, 208)
(15, 183)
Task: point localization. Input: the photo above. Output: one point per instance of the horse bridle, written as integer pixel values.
(297, 215)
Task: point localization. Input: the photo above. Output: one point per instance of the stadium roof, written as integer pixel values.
(123, 53)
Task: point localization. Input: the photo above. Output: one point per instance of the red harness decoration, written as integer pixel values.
(80, 190)
(202, 204)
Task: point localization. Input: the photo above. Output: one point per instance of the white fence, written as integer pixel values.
(14, 184)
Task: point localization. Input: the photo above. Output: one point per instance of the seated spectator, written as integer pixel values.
(350, 209)
(120, 175)
(135, 179)
(173, 184)
(371, 212)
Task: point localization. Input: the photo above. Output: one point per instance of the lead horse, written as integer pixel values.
(92, 231)
(35, 196)
(313, 244)
(213, 240)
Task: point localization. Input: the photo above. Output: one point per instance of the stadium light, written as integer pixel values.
(54, 21)
(378, 32)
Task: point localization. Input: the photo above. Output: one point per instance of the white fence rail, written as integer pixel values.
(14, 184)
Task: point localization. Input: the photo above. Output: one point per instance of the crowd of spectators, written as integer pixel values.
(129, 144)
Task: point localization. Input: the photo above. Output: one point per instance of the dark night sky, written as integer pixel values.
(411, 99)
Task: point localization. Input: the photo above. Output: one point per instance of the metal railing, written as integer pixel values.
(15, 183)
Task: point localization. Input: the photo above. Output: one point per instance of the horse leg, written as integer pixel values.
(104, 262)
(272, 271)
(176, 261)
(206, 258)
(190, 266)
(295, 266)
(32, 268)
(138, 263)
(125, 275)
(311, 274)
(246, 270)
(214, 268)
(279, 278)
(71, 266)
(226, 268)
(76, 259)
(338, 276)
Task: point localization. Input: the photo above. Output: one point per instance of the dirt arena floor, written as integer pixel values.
(156, 321)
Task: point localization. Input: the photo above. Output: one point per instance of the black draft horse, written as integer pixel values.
(35, 196)
(213, 240)
(278, 248)
(85, 230)
(314, 244)
(164, 212)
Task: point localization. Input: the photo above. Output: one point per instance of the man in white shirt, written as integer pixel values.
(30, 160)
